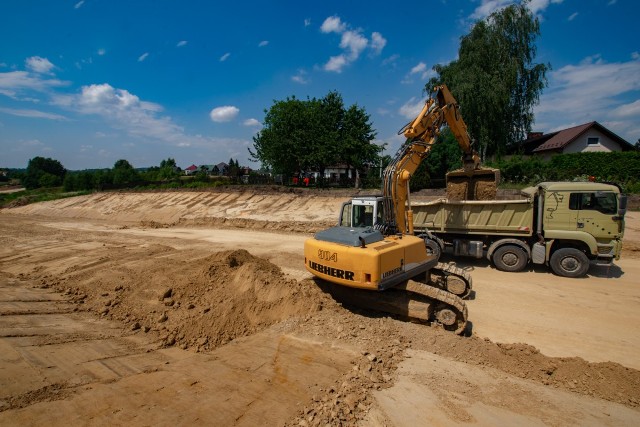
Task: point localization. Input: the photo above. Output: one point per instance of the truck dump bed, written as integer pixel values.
(503, 217)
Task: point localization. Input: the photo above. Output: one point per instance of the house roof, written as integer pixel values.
(192, 168)
(558, 140)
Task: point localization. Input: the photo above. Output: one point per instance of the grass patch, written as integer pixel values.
(21, 198)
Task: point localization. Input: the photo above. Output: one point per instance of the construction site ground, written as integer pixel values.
(194, 308)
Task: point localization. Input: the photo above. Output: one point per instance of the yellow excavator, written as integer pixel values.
(388, 256)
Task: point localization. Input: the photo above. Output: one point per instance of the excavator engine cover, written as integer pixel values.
(477, 184)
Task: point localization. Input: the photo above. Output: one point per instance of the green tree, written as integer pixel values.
(495, 79)
(124, 173)
(313, 134)
(168, 170)
(44, 172)
(280, 143)
(356, 149)
(445, 156)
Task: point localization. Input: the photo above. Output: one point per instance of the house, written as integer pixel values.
(337, 172)
(191, 170)
(220, 169)
(587, 137)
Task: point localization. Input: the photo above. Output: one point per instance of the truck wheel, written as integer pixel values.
(569, 262)
(510, 258)
(433, 248)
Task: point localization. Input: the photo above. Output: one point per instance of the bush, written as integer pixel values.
(619, 167)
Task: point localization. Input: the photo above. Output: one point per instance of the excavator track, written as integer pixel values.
(449, 310)
(450, 278)
(411, 299)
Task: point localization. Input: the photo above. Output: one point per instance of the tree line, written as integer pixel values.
(47, 172)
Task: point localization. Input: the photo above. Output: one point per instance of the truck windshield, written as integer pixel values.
(601, 201)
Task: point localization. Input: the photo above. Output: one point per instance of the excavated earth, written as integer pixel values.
(194, 308)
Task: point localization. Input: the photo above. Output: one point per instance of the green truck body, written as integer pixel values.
(566, 225)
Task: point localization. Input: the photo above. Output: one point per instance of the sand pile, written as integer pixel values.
(192, 302)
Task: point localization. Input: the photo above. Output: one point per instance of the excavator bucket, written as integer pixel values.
(476, 184)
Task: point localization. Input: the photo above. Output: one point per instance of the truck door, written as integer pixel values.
(595, 212)
(557, 213)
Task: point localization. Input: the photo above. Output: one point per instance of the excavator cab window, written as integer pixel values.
(363, 216)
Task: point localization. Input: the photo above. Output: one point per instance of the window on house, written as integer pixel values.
(593, 140)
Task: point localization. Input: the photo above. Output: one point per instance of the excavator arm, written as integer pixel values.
(422, 133)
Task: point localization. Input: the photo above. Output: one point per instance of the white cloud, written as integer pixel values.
(612, 2)
(14, 83)
(307, 22)
(333, 24)
(263, 43)
(418, 69)
(391, 60)
(251, 122)
(79, 4)
(301, 77)
(352, 42)
(225, 57)
(182, 43)
(224, 114)
(32, 114)
(336, 63)
(126, 112)
(487, 7)
(39, 65)
(143, 56)
(377, 42)
(101, 52)
(592, 90)
(627, 110)
(411, 108)
(541, 5)
(572, 16)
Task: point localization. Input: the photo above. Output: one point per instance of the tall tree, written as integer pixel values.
(313, 134)
(357, 151)
(495, 79)
(43, 172)
(123, 172)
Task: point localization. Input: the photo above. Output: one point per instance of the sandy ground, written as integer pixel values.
(194, 308)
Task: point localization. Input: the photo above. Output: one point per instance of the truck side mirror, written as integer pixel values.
(622, 205)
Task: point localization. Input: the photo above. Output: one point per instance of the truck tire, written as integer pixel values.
(569, 262)
(510, 258)
(433, 248)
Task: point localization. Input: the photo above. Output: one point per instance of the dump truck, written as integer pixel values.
(565, 225)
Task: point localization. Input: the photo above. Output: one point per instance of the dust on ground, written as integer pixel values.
(173, 312)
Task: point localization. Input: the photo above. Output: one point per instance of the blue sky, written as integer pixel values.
(88, 82)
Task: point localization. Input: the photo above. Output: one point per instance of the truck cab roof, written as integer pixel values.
(569, 186)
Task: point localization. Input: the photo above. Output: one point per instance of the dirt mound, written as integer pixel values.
(610, 381)
(189, 301)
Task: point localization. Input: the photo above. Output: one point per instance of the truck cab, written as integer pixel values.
(583, 216)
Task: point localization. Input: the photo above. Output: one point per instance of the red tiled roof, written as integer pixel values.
(564, 137)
